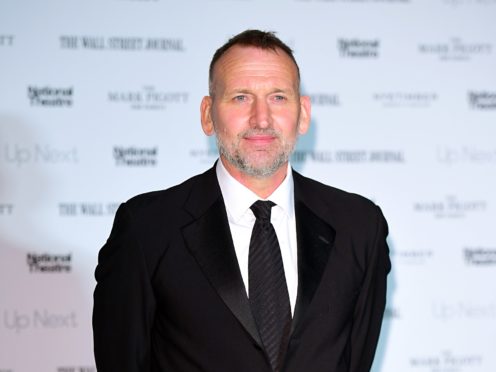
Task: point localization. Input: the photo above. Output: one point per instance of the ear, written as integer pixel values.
(305, 114)
(206, 116)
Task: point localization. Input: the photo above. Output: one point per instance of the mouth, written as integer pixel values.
(260, 139)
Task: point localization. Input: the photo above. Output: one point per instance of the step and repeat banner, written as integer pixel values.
(99, 101)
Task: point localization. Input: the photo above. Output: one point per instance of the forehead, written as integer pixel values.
(251, 62)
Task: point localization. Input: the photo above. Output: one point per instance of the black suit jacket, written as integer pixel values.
(170, 296)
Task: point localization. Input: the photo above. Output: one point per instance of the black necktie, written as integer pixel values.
(268, 292)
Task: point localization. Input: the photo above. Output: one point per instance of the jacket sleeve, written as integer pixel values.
(124, 304)
(371, 302)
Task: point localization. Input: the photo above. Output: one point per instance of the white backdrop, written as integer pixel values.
(99, 101)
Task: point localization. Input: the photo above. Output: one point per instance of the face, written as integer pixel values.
(255, 110)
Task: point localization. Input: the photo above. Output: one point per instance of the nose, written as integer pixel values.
(260, 114)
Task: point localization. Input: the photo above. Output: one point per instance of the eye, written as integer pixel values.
(240, 98)
(279, 97)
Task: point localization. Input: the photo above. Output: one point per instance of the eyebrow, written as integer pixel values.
(232, 91)
(248, 91)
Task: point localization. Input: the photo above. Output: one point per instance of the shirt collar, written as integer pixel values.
(238, 198)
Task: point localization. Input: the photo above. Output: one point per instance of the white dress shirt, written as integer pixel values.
(238, 199)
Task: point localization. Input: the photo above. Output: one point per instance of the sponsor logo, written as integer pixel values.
(451, 207)
(148, 98)
(18, 321)
(122, 43)
(81, 368)
(6, 40)
(463, 310)
(479, 256)
(49, 263)
(405, 99)
(455, 50)
(482, 100)
(338, 156)
(20, 155)
(204, 155)
(412, 257)
(50, 97)
(349, 156)
(465, 155)
(135, 156)
(446, 361)
(358, 48)
(90, 209)
(6, 209)
(324, 99)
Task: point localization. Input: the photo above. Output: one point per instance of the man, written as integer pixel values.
(248, 267)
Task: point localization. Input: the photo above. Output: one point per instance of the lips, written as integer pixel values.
(260, 143)
(259, 137)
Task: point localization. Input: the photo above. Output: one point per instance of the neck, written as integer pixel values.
(262, 186)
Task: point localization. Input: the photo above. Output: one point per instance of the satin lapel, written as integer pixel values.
(209, 240)
(315, 239)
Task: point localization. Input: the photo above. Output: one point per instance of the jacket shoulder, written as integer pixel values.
(355, 218)
(321, 194)
(162, 201)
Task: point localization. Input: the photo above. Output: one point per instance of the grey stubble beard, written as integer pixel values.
(233, 154)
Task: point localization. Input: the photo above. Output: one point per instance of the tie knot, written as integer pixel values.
(261, 209)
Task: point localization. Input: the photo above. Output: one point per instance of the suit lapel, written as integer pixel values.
(315, 239)
(209, 240)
